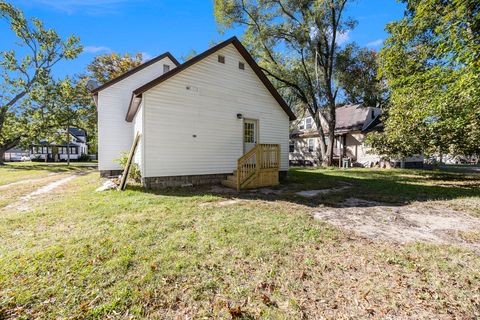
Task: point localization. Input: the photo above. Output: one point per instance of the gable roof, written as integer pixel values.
(136, 96)
(77, 132)
(354, 117)
(135, 70)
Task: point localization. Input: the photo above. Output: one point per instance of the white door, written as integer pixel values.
(250, 134)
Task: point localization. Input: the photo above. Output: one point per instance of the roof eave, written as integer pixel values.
(135, 70)
(135, 102)
(248, 58)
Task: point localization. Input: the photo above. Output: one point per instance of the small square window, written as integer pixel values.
(221, 59)
(292, 146)
(166, 68)
(241, 66)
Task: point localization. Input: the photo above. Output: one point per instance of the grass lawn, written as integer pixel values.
(17, 171)
(189, 253)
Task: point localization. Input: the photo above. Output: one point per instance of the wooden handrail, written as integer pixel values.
(260, 157)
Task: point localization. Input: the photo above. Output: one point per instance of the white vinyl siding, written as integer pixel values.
(191, 124)
(138, 128)
(115, 135)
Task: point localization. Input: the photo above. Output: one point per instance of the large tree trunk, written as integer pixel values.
(321, 134)
(7, 145)
(331, 138)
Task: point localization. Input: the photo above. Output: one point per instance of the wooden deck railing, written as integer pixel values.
(261, 157)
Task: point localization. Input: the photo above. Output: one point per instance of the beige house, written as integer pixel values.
(353, 123)
(213, 118)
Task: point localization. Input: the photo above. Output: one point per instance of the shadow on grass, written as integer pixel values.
(56, 167)
(376, 187)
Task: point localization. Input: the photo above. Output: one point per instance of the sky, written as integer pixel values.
(155, 26)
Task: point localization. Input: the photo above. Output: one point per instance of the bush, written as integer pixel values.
(135, 173)
(84, 157)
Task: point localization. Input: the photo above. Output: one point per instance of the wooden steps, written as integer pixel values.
(258, 167)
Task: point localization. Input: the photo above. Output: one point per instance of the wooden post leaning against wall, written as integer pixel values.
(126, 171)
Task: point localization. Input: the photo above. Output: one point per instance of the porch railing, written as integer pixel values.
(261, 157)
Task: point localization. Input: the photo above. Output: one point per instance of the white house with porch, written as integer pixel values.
(214, 118)
(58, 151)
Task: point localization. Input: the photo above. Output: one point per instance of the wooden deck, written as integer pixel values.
(257, 168)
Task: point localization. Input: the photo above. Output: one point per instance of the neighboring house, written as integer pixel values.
(58, 151)
(16, 154)
(353, 122)
(196, 120)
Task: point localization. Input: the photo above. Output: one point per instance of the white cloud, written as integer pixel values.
(92, 7)
(95, 49)
(342, 37)
(376, 43)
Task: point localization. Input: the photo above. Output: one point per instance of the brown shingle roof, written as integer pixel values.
(354, 117)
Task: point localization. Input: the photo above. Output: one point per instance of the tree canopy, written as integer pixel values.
(296, 45)
(23, 74)
(105, 67)
(431, 62)
(357, 76)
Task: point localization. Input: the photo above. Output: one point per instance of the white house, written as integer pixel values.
(196, 119)
(353, 123)
(53, 151)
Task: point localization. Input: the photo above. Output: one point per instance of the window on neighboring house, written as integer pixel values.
(241, 66)
(221, 59)
(308, 123)
(166, 68)
(291, 146)
(301, 124)
(311, 145)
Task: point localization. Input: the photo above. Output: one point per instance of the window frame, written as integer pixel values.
(166, 68)
(221, 58)
(308, 123)
(249, 132)
(311, 144)
(301, 124)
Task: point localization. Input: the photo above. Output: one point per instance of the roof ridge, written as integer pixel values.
(136, 94)
(135, 70)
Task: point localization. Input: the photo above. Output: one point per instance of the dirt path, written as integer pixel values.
(25, 202)
(428, 222)
(26, 181)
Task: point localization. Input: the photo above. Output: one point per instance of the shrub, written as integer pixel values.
(135, 173)
(84, 157)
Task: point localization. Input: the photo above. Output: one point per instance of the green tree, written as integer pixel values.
(431, 62)
(105, 67)
(357, 75)
(296, 45)
(102, 68)
(71, 107)
(21, 75)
